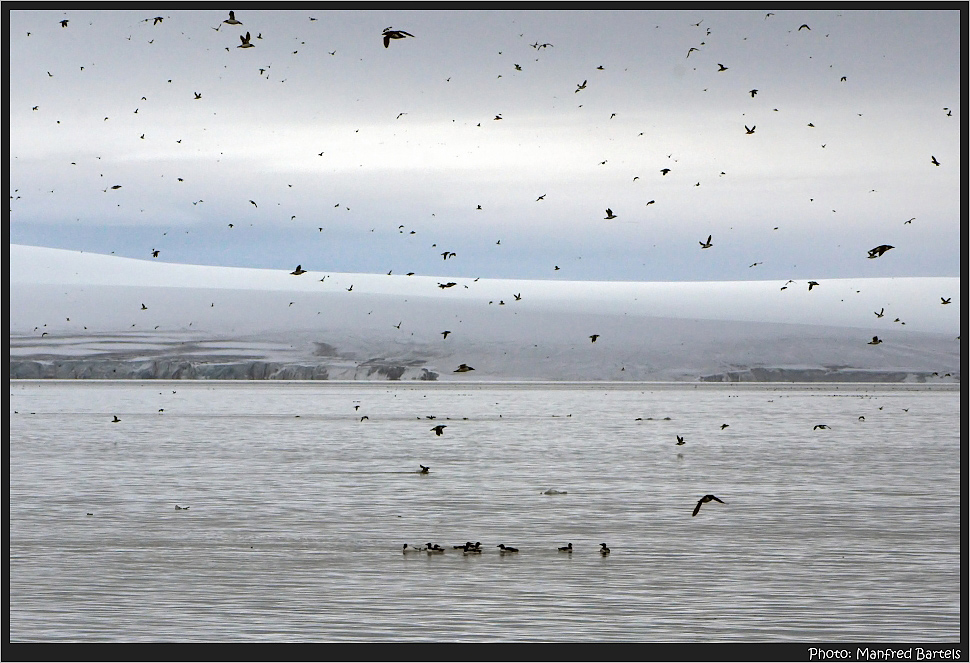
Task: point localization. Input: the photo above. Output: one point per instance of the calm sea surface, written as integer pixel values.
(298, 510)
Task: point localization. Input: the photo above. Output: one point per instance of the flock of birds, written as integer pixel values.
(390, 33)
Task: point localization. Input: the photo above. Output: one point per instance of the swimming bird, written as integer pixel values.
(394, 34)
(604, 550)
(881, 312)
(408, 549)
(945, 301)
(181, 508)
(424, 468)
(439, 429)
(299, 270)
(879, 250)
(609, 214)
(705, 500)
(811, 284)
(934, 161)
(680, 441)
(708, 244)
(749, 130)
(507, 549)
(245, 42)
(593, 337)
(434, 548)
(232, 19)
(463, 368)
(116, 419)
(566, 548)
(875, 341)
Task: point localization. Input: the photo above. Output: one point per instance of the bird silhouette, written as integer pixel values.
(518, 298)
(879, 250)
(198, 95)
(680, 441)
(708, 244)
(691, 50)
(299, 270)
(721, 67)
(245, 42)
(115, 420)
(934, 161)
(752, 93)
(232, 19)
(875, 340)
(705, 500)
(664, 171)
(439, 429)
(394, 34)
(155, 253)
(945, 301)
(723, 426)
(424, 469)
(811, 284)
(609, 214)
(803, 26)
(819, 426)
(580, 86)
(604, 550)
(750, 130)
(593, 337)
(64, 23)
(881, 312)
(463, 368)
(445, 333)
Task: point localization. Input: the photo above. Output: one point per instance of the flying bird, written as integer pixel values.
(934, 161)
(705, 500)
(609, 214)
(910, 221)
(945, 301)
(232, 19)
(723, 426)
(804, 26)
(708, 244)
(664, 171)
(580, 86)
(879, 250)
(811, 284)
(752, 93)
(542, 197)
(64, 23)
(445, 333)
(721, 67)
(245, 42)
(593, 337)
(692, 49)
(198, 95)
(394, 34)
(116, 419)
(749, 130)
(680, 441)
(154, 253)
(299, 270)
(881, 312)
(439, 429)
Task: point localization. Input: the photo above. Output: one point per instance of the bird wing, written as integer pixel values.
(716, 499)
(387, 41)
(697, 508)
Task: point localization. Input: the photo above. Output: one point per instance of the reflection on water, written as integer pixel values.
(298, 510)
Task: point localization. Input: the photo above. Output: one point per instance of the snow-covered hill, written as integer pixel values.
(76, 314)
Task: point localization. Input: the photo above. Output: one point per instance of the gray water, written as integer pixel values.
(298, 511)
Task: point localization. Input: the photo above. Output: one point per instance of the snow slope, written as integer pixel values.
(76, 314)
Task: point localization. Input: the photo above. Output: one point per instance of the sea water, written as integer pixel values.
(299, 497)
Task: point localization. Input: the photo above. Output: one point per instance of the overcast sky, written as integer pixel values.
(411, 147)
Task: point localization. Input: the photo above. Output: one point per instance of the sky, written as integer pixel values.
(319, 146)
